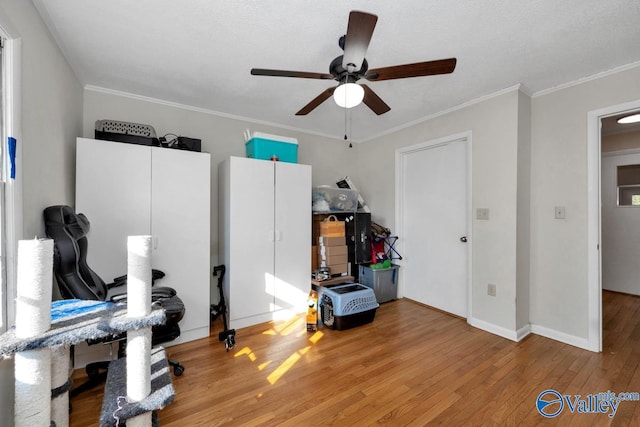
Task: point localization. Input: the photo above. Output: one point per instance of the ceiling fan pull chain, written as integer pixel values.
(345, 121)
(345, 125)
(350, 125)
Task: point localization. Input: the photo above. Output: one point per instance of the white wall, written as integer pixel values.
(495, 145)
(559, 178)
(557, 300)
(221, 136)
(51, 114)
(621, 141)
(51, 118)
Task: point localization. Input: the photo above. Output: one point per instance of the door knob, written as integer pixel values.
(463, 239)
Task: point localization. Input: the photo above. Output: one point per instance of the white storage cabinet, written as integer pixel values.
(264, 238)
(127, 189)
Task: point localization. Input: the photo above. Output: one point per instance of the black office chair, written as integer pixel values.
(76, 280)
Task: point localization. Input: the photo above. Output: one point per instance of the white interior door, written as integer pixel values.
(434, 212)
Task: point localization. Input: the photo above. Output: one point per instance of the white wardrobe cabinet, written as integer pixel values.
(127, 189)
(264, 218)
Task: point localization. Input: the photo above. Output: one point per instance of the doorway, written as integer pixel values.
(620, 211)
(433, 202)
(594, 215)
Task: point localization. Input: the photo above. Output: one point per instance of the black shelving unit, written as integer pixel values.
(358, 237)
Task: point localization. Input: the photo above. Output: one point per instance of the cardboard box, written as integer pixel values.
(332, 227)
(314, 258)
(332, 260)
(332, 241)
(332, 255)
(328, 251)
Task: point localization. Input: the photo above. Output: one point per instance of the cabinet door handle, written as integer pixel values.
(275, 235)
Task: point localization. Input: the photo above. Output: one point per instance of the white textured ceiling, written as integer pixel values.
(200, 52)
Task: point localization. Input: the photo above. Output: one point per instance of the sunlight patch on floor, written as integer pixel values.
(263, 365)
(246, 351)
(294, 325)
(316, 337)
(286, 365)
(286, 327)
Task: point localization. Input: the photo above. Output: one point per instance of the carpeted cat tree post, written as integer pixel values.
(139, 341)
(45, 330)
(32, 405)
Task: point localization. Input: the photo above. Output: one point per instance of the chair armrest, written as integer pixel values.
(159, 293)
(117, 283)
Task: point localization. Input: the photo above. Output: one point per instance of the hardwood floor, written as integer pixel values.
(411, 366)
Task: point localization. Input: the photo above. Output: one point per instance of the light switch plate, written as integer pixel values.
(491, 290)
(559, 212)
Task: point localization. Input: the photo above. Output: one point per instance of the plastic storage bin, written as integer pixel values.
(383, 281)
(331, 199)
(272, 147)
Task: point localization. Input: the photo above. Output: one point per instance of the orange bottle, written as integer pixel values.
(312, 311)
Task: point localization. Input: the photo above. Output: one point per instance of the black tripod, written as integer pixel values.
(227, 335)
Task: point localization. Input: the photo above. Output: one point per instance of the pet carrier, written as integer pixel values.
(347, 306)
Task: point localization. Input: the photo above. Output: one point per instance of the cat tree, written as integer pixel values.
(44, 332)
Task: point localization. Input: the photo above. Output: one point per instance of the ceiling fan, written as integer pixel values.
(352, 66)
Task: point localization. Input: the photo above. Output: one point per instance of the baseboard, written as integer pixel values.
(283, 314)
(561, 336)
(523, 332)
(191, 335)
(250, 321)
(495, 329)
(531, 329)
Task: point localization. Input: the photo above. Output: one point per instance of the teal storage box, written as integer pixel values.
(272, 147)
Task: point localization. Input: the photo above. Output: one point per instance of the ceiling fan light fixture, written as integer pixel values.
(634, 118)
(348, 95)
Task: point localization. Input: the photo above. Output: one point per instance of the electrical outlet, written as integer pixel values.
(482, 213)
(491, 290)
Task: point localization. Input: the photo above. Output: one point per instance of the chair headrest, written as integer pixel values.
(77, 225)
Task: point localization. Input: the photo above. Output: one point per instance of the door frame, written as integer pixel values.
(400, 155)
(594, 219)
(12, 193)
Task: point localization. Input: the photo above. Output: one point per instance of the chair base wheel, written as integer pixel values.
(178, 369)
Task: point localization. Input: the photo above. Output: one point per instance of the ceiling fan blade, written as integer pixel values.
(356, 41)
(316, 101)
(429, 68)
(374, 102)
(286, 73)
